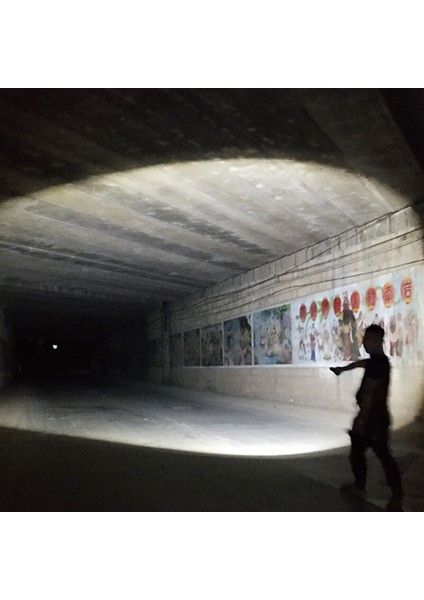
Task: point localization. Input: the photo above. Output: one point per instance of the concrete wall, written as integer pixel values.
(124, 353)
(7, 353)
(386, 245)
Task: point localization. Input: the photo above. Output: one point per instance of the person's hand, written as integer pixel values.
(336, 370)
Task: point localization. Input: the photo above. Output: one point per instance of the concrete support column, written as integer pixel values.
(8, 366)
(2, 363)
(166, 343)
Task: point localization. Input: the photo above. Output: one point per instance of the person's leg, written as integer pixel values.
(391, 470)
(358, 462)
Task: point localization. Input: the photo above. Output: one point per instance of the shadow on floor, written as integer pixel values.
(45, 472)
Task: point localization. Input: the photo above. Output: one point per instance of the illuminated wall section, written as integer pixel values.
(317, 330)
(238, 341)
(273, 332)
(272, 336)
(211, 345)
(328, 327)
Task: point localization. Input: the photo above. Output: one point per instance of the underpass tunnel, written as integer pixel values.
(230, 243)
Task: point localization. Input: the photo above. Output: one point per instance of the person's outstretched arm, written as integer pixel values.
(353, 365)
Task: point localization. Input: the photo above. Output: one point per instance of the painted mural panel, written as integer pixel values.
(192, 348)
(176, 350)
(211, 337)
(272, 336)
(330, 326)
(238, 341)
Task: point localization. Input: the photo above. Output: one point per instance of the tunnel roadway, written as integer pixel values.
(80, 443)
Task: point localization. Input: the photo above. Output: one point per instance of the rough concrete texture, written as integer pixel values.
(150, 195)
(194, 206)
(7, 353)
(80, 444)
(389, 244)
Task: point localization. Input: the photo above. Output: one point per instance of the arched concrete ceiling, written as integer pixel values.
(113, 201)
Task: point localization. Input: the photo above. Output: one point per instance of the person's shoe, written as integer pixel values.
(350, 489)
(394, 505)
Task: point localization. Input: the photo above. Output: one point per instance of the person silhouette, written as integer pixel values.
(371, 426)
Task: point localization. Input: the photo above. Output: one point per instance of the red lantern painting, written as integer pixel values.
(407, 289)
(355, 301)
(388, 293)
(302, 313)
(313, 310)
(325, 307)
(371, 298)
(337, 306)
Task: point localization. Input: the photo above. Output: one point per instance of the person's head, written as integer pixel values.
(373, 339)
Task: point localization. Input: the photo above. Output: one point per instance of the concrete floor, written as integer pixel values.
(81, 444)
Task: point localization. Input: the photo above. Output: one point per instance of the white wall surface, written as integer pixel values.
(392, 243)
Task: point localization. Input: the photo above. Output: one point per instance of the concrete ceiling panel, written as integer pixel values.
(118, 200)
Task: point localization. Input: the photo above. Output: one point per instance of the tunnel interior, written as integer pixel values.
(131, 219)
(124, 212)
(43, 357)
(114, 202)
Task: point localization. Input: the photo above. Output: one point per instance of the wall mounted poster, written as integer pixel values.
(272, 336)
(192, 348)
(238, 341)
(211, 338)
(330, 326)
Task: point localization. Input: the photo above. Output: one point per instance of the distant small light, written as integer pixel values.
(54, 346)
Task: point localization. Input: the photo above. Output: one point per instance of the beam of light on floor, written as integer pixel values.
(180, 428)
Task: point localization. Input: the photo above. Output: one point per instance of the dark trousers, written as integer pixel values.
(380, 445)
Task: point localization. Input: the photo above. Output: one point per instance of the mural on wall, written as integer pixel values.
(272, 336)
(330, 326)
(238, 341)
(192, 348)
(176, 350)
(211, 337)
